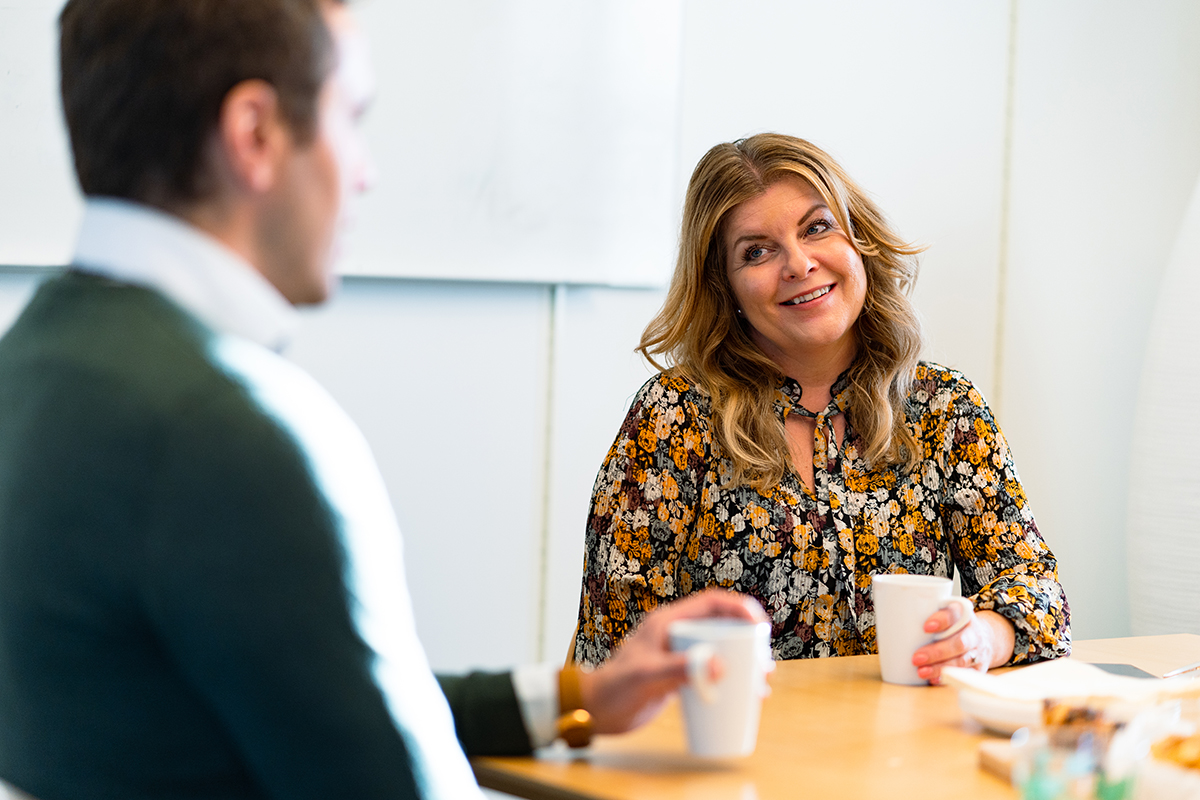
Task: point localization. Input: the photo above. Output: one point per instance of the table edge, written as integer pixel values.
(501, 780)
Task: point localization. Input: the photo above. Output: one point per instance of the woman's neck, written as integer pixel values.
(816, 371)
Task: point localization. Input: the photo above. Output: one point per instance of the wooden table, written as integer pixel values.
(831, 728)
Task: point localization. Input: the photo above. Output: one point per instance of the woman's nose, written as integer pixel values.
(798, 262)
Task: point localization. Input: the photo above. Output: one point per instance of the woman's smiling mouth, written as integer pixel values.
(804, 298)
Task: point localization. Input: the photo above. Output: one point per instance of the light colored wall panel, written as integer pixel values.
(596, 376)
(15, 290)
(908, 96)
(40, 204)
(1163, 528)
(1106, 151)
(447, 382)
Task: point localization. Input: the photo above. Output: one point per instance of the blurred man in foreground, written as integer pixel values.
(201, 585)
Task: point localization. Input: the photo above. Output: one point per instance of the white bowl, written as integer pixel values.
(998, 714)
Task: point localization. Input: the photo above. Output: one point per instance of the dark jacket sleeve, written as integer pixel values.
(487, 714)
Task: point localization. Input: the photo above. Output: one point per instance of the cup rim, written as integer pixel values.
(909, 579)
(716, 628)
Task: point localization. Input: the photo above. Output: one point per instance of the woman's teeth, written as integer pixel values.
(804, 298)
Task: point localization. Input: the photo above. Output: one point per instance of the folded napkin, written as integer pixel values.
(1066, 679)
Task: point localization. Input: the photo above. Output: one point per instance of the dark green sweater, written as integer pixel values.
(177, 609)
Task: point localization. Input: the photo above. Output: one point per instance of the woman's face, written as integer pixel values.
(795, 275)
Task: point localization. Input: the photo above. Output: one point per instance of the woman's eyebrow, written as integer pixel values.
(749, 237)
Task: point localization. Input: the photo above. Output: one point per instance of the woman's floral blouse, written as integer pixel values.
(663, 524)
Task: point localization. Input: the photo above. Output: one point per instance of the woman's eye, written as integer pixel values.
(753, 253)
(820, 226)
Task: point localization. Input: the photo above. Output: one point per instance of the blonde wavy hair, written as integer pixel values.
(700, 335)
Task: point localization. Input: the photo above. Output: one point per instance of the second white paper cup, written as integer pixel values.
(902, 604)
(722, 716)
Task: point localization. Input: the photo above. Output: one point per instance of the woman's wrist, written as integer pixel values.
(1003, 637)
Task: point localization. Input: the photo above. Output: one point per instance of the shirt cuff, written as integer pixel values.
(537, 692)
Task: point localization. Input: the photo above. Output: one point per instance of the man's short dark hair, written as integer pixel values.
(143, 82)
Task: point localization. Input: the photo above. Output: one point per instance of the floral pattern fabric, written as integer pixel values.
(664, 524)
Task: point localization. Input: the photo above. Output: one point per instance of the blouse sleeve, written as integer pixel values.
(1005, 565)
(644, 504)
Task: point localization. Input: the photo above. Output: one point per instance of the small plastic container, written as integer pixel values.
(1076, 762)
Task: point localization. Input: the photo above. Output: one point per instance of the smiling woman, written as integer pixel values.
(795, 445)
(797, 279)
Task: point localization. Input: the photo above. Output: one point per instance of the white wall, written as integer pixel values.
(1047, 174)
(1106, 149)
(40, 205)
(452, 384)
(445, 383)
(909, 97)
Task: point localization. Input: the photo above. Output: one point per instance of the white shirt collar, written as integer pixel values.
(133, 243)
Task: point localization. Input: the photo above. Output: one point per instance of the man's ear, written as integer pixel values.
(252, 136)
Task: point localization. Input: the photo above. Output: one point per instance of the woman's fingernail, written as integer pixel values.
(920, 658)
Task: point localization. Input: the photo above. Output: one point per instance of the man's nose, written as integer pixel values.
(366, 173)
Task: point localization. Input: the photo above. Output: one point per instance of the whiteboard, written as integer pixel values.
(523, 140)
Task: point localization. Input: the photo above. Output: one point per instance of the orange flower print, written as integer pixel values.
(868, 543)
(759, 518)
(647, 441)
(666, 521)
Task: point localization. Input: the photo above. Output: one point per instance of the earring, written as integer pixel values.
(739, 312)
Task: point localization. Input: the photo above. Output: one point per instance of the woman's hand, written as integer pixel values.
(987, 641)
(635, 683)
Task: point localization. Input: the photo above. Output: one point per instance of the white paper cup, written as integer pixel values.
(902, 604)
(722, 716)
